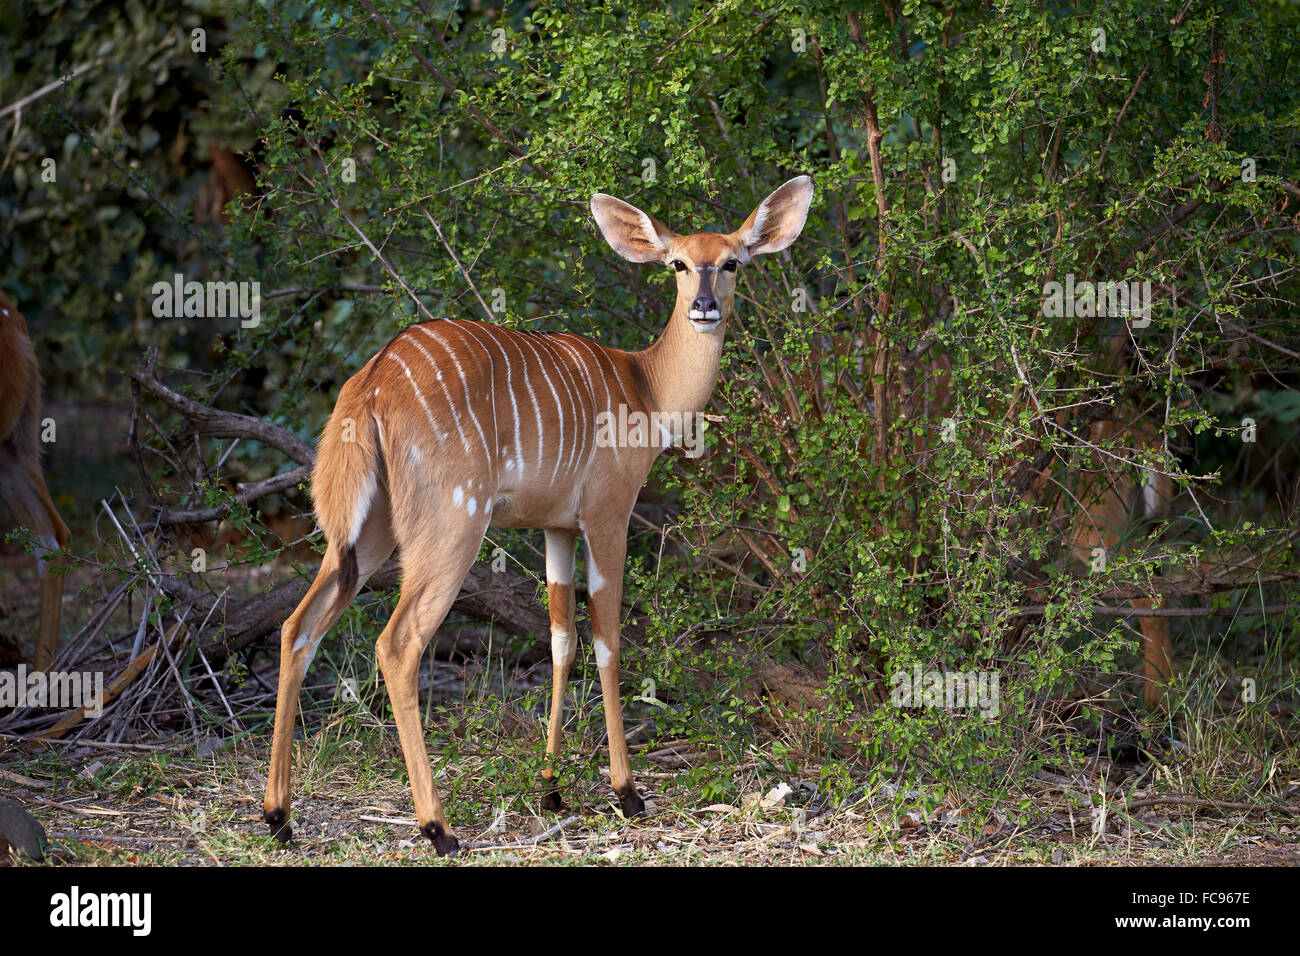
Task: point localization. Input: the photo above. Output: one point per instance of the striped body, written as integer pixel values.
(504, 422)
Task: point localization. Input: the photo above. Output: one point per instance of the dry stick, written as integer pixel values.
(68, 655)
(119, 684)
(874, 137)
(153, 575)
(1211, 804)
(374, 251)
(217, 684)
(531, 841)
(147, 748)
(463, 271)
(49, 88)
(1266, 858)
(296, 290)
(247, 493)
(1104, 611)
(144, 625)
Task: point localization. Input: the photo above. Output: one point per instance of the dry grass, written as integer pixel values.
(353, 807)
(185, 788)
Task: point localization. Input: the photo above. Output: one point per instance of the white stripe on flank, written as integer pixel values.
(419, 395)
(547, 351)
(604, 384)
(558, 410)
(567, 376)
(580, 362)
(483, 337)
(469, 399)
(537, 409)
(514, 406)
(451, 405)
(587, 425)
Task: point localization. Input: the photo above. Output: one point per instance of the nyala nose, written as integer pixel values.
(704, 305)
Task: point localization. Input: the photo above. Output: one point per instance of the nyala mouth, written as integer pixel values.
(705, 321)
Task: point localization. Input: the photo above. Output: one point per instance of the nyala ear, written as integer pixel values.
(631, 233)
(777, 220)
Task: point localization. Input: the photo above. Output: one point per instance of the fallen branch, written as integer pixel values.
(506, 599)
(123, 680)
(1209, 804)
(246, 494)
(1038, 610)
(215, 423)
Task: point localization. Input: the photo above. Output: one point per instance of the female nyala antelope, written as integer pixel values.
(458, 425)
(22, 486)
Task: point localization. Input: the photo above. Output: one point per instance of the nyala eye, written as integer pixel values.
(730, 265)
(678, 265)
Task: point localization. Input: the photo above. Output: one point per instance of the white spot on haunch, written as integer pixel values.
(415, 455)
(473, 506)
(603, 654)
(457, 496)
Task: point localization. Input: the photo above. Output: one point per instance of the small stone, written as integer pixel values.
(20, 833)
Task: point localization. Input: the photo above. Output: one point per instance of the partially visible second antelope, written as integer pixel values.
(458, 425)
(22, 486)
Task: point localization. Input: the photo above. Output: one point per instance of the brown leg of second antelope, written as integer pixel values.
(606, 552)
(1158, 654)
(561, 545)
(302, 632)
(33, 508)
(433, 569)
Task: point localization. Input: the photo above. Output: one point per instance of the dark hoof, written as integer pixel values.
(631, 802)
(278, 821)
(552, 803)
(445, 843)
